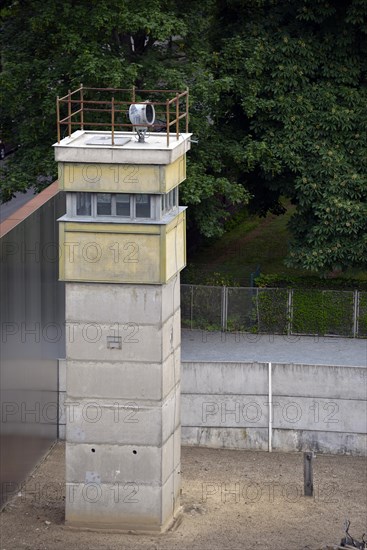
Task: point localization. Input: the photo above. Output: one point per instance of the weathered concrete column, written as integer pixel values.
(123, 246)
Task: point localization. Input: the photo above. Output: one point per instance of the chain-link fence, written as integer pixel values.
(275, 310)
(362, 315)
(201, 307)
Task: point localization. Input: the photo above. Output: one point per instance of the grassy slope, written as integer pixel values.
(254, 242)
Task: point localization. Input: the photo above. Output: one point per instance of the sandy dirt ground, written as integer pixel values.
(232, 500)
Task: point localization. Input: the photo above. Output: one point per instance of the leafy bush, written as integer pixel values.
(285, 281)
(194, 275)
(271, 306)
(322, 312)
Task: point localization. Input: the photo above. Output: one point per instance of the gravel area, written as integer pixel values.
(232, 500)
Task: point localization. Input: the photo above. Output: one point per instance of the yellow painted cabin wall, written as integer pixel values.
(121, 178)
(122, 253)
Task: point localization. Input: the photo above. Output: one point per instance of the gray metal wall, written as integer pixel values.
(32, 315)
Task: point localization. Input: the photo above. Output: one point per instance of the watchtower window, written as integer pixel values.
(169, 201)
(128, 207)
(84, 204)
(142, 206)
(123, 205)
(104, 204)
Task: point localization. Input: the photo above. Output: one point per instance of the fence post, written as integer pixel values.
(58, 119)
(167, 121)
(191, 305)
(308, 473)
(113, 120)
(69, 112)
(290, 311)
(177, 117)
(82, 107)
(355, 313)
(224, 308)
(187, 110)
(257, 309)
(270, 399)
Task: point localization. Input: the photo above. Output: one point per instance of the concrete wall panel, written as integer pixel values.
(118, 380)
(170, 297)
(109, 304)
(117, 422)
(315, 414)
(224, 378)
(122, 422)
(138, 343)
(112, 463)
(171, 334)
(171, 417)
(320, 441)
(228, 438)
(315, 407)
(171, 371)
(123, 380)
(226, 411)
(132, 506)
(320, 381)
(171, 455)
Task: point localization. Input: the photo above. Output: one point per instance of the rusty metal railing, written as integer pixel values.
(172, 106)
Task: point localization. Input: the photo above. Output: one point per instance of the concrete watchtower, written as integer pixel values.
(122, 249)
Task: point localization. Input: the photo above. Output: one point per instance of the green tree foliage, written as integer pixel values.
(50, 47)
(278, 102)
(296, 108)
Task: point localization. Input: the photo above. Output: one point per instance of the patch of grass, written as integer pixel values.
(253, 242)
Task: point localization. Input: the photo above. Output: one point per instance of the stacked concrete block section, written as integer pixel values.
(123, 423)
(123, 344)
(61, 399)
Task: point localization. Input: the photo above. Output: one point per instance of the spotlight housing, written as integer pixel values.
(141, 115)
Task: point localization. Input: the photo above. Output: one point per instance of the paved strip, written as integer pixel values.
(200, 345)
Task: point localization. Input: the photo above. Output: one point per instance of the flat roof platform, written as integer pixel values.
(96, 147)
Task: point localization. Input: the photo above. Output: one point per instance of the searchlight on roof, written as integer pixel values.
(140, 114)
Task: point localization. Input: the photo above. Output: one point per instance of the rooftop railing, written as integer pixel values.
(107, 109)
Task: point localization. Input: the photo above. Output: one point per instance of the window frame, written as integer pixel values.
(154, 213)
(169, 202)
(161, 205)
(114, 206)
(112, 203)
(133, 197)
